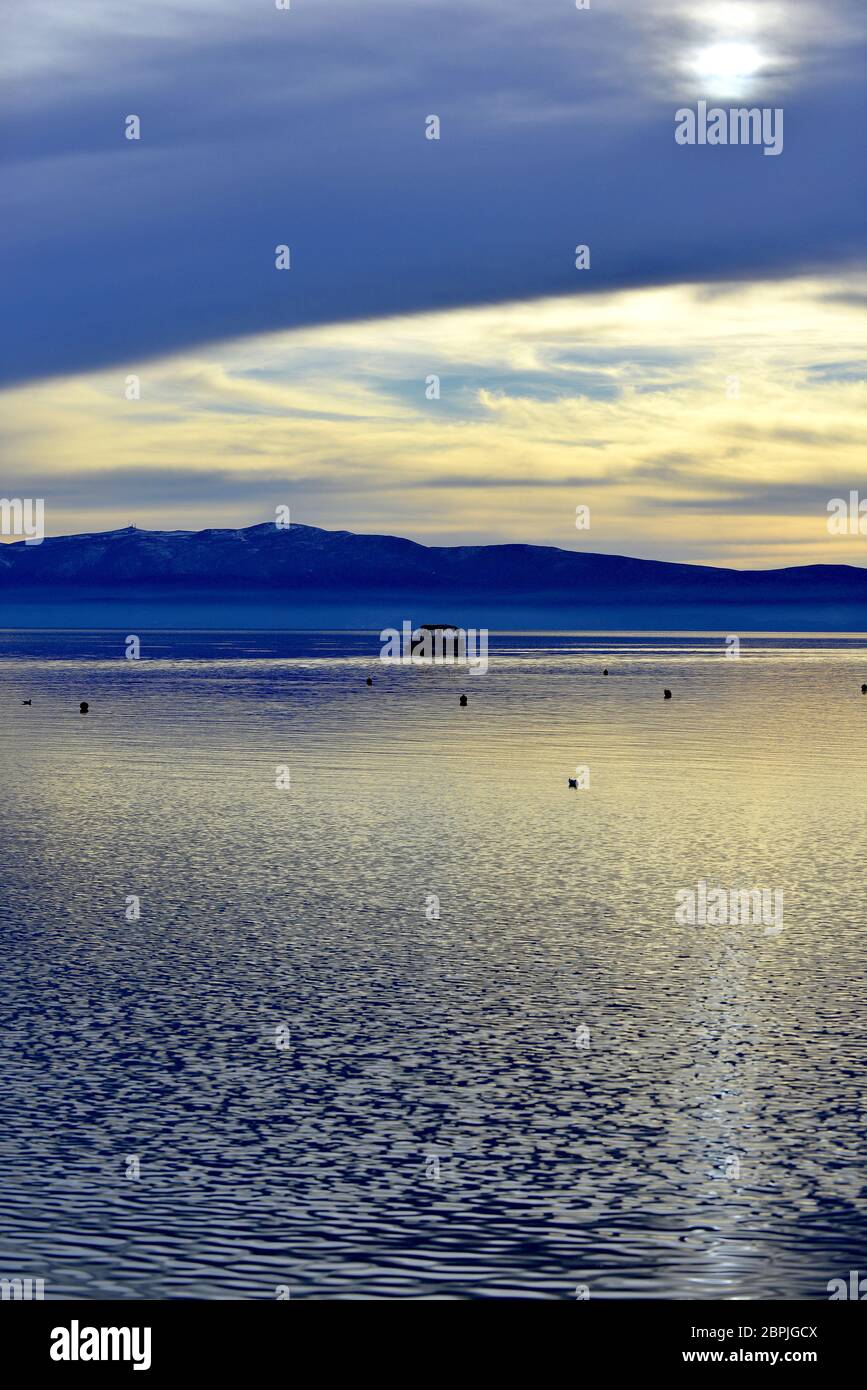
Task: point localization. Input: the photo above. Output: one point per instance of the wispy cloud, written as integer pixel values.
(306, 126)
(725, 446)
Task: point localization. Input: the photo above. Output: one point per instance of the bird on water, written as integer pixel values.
(666, 694)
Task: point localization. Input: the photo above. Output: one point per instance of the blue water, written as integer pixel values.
(429, 1125)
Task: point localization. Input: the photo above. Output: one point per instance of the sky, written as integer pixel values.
(699, 387)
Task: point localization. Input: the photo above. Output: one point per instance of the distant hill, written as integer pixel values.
(303, 576)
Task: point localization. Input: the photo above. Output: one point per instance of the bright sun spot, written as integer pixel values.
(727, 62)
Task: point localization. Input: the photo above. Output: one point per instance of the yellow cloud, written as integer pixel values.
(697, 422)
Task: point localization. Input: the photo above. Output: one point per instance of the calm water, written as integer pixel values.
(706, 1143)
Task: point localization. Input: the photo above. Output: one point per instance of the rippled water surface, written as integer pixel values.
(434, 1127)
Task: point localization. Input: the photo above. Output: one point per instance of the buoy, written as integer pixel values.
(463, 700)
(573, 782)
(84, 707)
(605, 671)
(863, 692)
(370, 680)
(666, 694)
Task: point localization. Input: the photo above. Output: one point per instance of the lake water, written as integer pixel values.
(325, 1086)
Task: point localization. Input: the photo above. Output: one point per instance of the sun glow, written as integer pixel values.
(724, 63)
(735, 45)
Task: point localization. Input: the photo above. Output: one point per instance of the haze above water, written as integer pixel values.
(707, 1143)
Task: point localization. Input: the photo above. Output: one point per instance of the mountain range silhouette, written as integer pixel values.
(306, 576)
